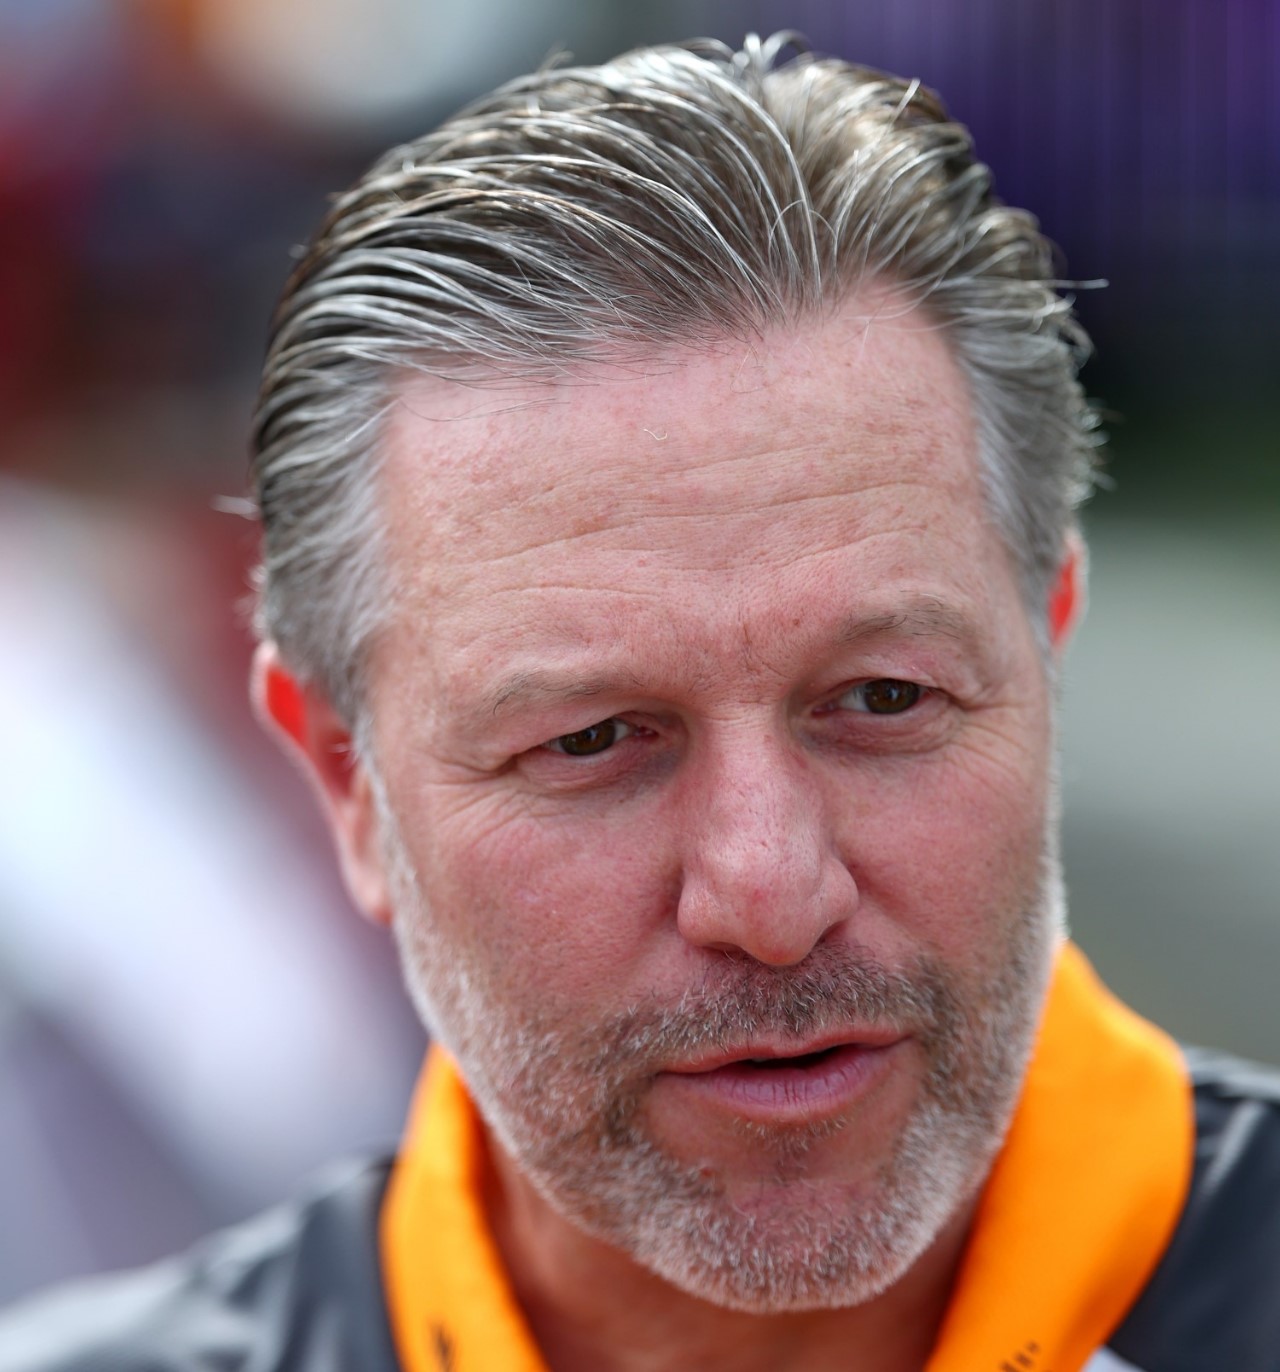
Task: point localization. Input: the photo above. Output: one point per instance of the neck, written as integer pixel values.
(591, 1308)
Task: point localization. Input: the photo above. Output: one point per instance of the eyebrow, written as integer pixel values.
(926, 619)
(536, 686)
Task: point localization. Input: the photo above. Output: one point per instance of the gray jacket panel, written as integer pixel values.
(1214, 1302)
(295, 1290)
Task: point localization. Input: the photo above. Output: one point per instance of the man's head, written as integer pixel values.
(706, 745)
(670, 197)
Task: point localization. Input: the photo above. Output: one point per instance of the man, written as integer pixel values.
(667, 474)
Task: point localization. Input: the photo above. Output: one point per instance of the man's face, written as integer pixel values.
(715, 748)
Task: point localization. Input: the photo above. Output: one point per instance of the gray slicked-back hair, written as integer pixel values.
(675, 195)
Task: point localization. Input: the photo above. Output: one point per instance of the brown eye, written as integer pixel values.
(596, 738)
(884, 696)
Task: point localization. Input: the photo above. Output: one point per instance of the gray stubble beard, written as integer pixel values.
(569, 1111)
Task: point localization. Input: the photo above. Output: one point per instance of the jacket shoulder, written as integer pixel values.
(294, 1290)
(1214, 1300)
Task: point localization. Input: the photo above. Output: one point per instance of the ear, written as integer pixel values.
(308, 728)
(1068, 593)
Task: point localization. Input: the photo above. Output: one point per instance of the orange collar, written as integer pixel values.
(1077, 1211)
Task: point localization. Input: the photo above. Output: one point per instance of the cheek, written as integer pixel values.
(952, 854)
(532, 902)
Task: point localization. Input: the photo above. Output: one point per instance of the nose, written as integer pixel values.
(762, 872)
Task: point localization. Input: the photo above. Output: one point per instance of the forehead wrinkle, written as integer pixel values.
(627, 532)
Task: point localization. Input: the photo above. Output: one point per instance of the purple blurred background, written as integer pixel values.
(190, 1016)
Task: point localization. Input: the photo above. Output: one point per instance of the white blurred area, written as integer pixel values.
(329, 62)
(160, 908)
(169, 935)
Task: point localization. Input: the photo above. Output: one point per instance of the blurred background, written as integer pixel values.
(190, 1017)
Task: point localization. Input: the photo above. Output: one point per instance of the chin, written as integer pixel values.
(791, 1242)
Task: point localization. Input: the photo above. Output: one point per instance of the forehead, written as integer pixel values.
(870, 394)
(742, 473)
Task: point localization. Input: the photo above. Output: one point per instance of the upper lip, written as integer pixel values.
(842, 1038)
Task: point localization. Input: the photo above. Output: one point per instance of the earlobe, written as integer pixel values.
(311, 731)
(1067, 595)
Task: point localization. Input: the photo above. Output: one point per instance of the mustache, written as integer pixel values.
(837, 987)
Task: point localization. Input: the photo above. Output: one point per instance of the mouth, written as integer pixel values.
(779, 1055)
(789, 1084)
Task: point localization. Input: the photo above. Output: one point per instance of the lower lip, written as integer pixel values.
(782, 1094)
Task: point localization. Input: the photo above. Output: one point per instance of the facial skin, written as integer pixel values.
(757, 591)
